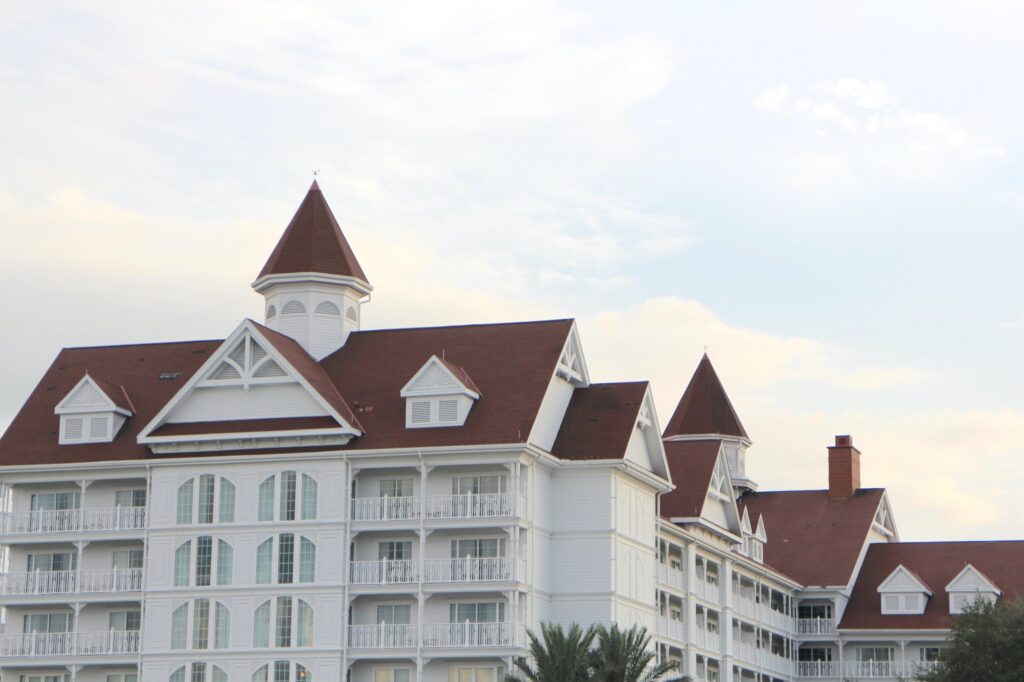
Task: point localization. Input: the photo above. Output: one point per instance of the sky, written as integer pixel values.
(828, 198)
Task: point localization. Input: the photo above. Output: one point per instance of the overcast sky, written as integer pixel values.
(828, 196)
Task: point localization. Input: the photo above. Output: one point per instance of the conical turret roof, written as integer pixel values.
(705, 408)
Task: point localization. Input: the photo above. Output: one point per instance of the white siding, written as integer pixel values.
(552, 410)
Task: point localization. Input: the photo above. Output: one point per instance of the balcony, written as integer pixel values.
(879, 669)
(816, 626)
(469, 570)
(71, 582)
(671, 629)
(438, 507)
(382, 636)
(39, 644)
(672, 577)
(761, 612)
(711, 641)
(384, 572)
(72, 521)
(710, 591)
(752, 655)
(817, 669)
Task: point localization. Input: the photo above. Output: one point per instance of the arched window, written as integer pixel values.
(271, 312)
(282, 570)
(199, 674)
(283, 671)
(280, 498)
(208, 563)
(283, 622)
(208, 627)
(351, 314)
(214, 494)
(327, 308)
(293, 308)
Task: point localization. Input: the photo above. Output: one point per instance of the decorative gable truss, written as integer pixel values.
(439, 394)
(720, 510)
(571, 364)
(969, 585)
(903, 593)
(248, 395)
(883, 522)
(92, 412)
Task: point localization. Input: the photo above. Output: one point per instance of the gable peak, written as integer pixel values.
(705, 408)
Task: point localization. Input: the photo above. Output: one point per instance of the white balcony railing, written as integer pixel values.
(712, 641)
(438, 507)
(73, 520)
(458, 635)
(672, 629)
(67, 582)
(817, 669)
(710, 591)
(776, 619)
(874, 668)
(816, 626)
(745, 605)
(468, 570)
(382, 636)
(49, 644)
(384, 572)
(672, 577)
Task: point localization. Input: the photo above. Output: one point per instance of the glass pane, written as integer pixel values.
(284, 622)
(260, 675)
(227, 503)
(261, 630)
(285, 558)
(182, 561)
(305, 633)
(204, 559)
(308, 497)
(218, 675)
(266, 502)
(225, 561)
(223, 626)
(185, 504)
(264, 558)
(402, 614)
(401, 675)
(178, 675)
(206, 498)
(307, 561)
(281, 671)
(302, 674)
(201, 624)
(179, 628)
(287, 496)
(198, 672)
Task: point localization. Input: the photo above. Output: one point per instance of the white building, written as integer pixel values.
(306, 500)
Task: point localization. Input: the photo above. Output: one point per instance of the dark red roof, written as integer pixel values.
(599, 421)
(462, 375)
(812, 537)
(313, 242)
(937, 563)
(705, 408)
(115, 392)
(691, 464)
(512, 365)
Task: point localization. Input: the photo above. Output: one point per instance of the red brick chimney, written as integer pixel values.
(843, 468)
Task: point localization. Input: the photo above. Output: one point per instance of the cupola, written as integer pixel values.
(312, 282)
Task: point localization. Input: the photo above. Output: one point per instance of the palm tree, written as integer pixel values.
(561, 657)
(625, 656)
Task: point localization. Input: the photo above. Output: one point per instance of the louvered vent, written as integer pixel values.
(892, 603)
(293, 308)
(226, 371)
(238, 354)
(420, 412)
(327, 308)
(257, 354)
(98, 427)
(352, 314)
(448, 411)
(271, 312)
(269, 369)
(73, 428)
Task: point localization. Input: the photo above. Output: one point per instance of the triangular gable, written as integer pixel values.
(572, 366)
(440, 377)
(92, 395)
(971, 580)
(720, 506)
(257, 381)
(645, 447)
(884, 522)
(761, 533)
(902, 579)
(745, 523)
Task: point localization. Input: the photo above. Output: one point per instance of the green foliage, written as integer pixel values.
(619, 656)
(985, 645)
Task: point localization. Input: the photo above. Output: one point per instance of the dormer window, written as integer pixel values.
(968, 586)
(92, 412)
(903, 593)
(439, 394)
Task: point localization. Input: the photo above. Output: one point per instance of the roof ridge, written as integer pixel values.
(145, 343)
(363, 332)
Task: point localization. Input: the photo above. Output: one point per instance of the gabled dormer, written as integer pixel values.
(969, 585)
(903, 593)
(758, 541)
(440, 394)
(92, 412)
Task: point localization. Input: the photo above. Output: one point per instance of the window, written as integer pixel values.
(901, 603)
(478, 485)
(225, 560)
(875, 653)
(392, 675)
(281, 492)
(57, 561)
(483, 612)
(47, 623)
(815, 654)
(55, 502)
(292, 620)
(929, 654)
(394, 614)
(812, 611)
(394, 550)
(124, 559)
(207, 564)
(130, 498)
(182, 562)
(282, 571)
(126, 621)
(396, 487)
(473, 674)
(122, 677)
(204, 560)
(197, 672)
(282, 671)
(206, 618)
(477, 549)
(214, 494)
(327, 308)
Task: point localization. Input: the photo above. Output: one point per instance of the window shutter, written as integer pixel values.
(98, 427)
(892, 602)
(73, 428)
(448, 410)
(420, 412)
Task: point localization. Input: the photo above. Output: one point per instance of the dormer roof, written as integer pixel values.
(902, 579)
(705, 408)
(439, 376)
(91, 394)
(970, 579)
(313, 243)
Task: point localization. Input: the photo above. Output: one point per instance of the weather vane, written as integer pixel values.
(316, 172)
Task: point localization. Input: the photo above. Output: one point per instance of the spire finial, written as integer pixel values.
(315, 186)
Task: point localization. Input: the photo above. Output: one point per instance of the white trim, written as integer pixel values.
(267, 281)
(434, 361)
(993, 588)
(111, 406)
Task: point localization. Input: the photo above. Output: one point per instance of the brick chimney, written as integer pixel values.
(843, 468)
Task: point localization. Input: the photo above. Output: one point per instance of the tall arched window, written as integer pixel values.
(214, 495)
(199, 674)
(283, 622)
(282, 499)
(282, 671)
(208, 627)
(276, 560)
(208, 563)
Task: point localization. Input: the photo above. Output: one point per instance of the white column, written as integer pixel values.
(691, 607)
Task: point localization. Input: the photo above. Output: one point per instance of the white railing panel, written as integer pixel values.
(776, 618)
(460, 635)
(470, 570)
(816, 626)
(745, 605)
(120, 518)
(672, 629)
(873, 668)
(469, 506)
(112, 580)
(385, 508)
(37, 644)
(817, 668)
(384, 572)
(112, 642)
(382, 636)
(710, 591)
(673, 577)
(73, 520)
(38, 582)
